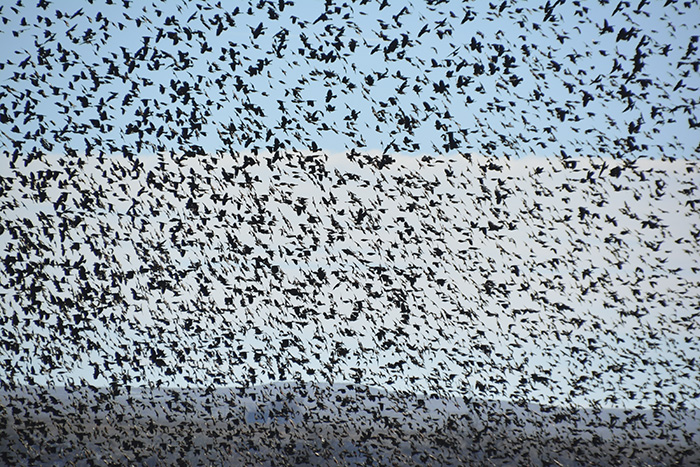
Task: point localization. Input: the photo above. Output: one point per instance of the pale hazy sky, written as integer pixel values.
(662, 282)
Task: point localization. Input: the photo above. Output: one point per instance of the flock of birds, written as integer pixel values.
(190, 198)
(476, 280)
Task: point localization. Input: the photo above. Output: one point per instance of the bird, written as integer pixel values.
(273, 234)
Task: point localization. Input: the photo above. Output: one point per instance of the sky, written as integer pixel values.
(99, 80)
(575, 266)
(534, 105)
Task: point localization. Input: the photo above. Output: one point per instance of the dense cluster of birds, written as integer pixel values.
(199, 197)
(297, 423)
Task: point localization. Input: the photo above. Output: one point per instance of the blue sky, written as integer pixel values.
(562, 59)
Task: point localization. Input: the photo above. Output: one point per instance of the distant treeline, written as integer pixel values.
(304, 424)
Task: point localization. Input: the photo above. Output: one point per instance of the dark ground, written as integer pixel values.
(289, 424)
